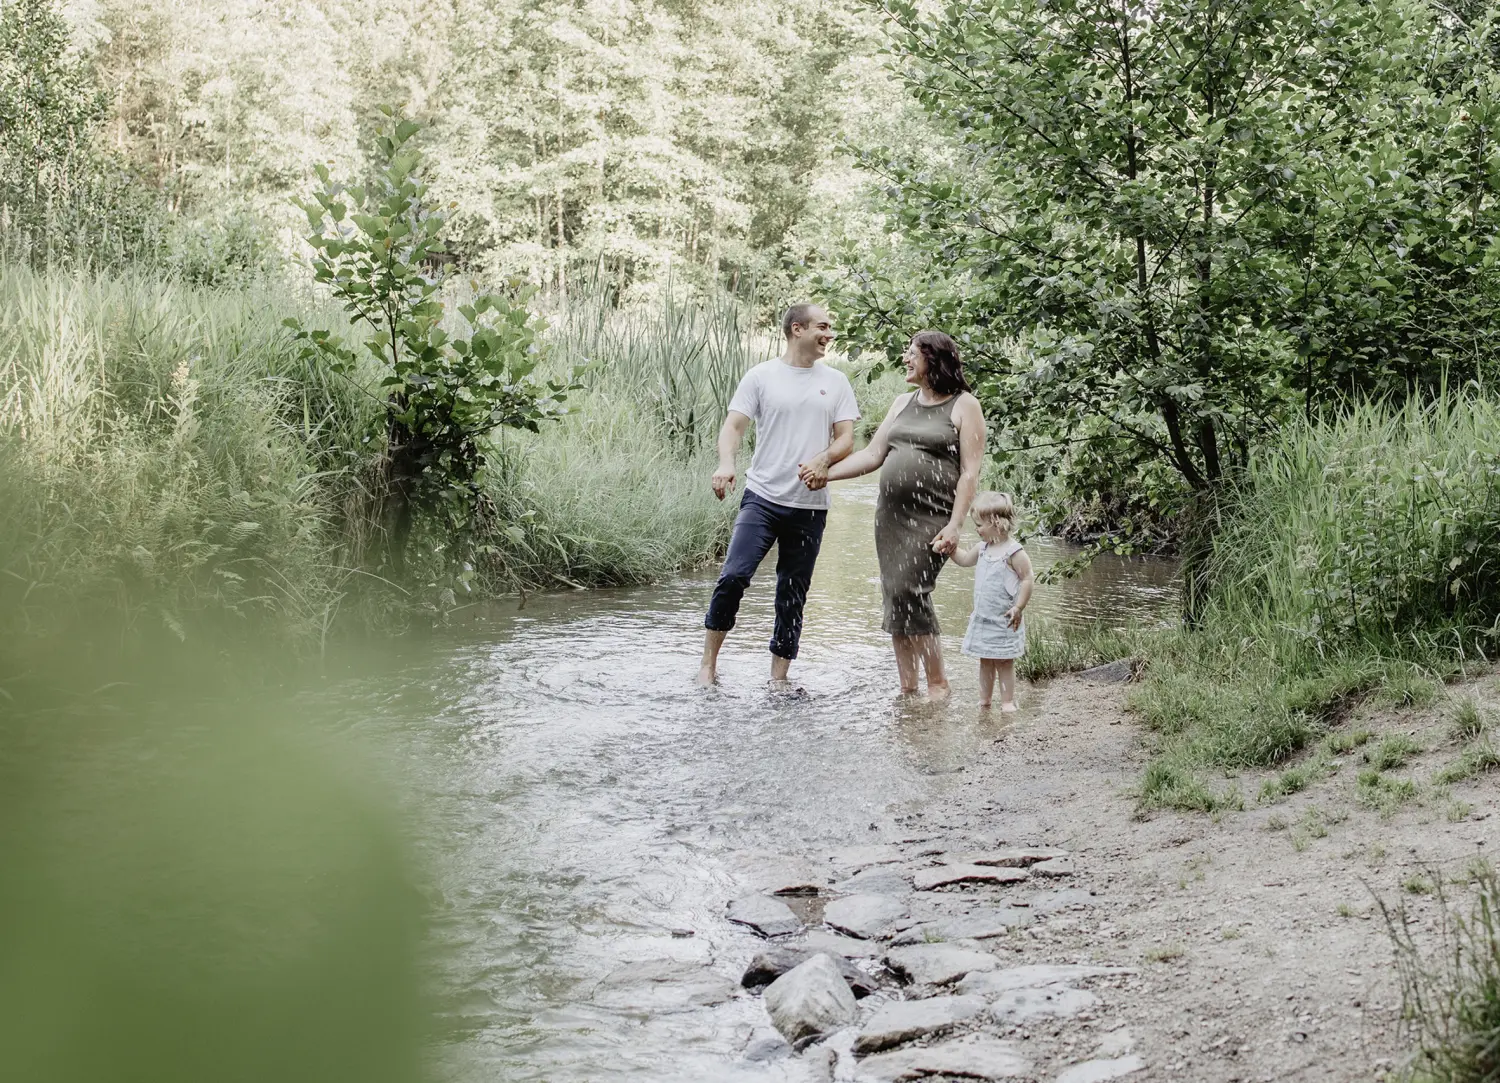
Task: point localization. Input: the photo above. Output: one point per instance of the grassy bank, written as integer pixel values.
(167, 454)
(1359, 557)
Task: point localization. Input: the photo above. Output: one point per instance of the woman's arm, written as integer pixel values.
(969, 420)
(870, 457)
(1022, 564)
(967, 558)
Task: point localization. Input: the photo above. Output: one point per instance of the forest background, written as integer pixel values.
(1190, 250)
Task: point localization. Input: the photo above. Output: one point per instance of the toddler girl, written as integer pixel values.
(1002, 587)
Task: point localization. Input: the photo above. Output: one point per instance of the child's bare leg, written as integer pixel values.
(905, 648)
(932, 661)
(986, 681)
(1007, 673)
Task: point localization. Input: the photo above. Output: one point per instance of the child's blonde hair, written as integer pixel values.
(996, 506)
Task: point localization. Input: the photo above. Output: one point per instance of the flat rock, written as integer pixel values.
(768, 917)
(683, 994)
(1099, 1071)
(1115, 1044)
(1022, 1005)
(981, 924)
(1116, 672)
(863, 916)
(937, 964)
(1051, 902)
(972, 1058)
(1018, 858)
(907, 1020)
(771, 964)
(1057, 866)
(1035, 976)
(876, 880)
(847, 946)
(855, 858)
(943, 875)
(809, 1000)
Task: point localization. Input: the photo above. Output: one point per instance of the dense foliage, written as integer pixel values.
(1172, 227)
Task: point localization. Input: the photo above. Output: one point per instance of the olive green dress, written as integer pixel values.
(917, 485)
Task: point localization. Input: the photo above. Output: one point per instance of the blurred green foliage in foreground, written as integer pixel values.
(194, 887)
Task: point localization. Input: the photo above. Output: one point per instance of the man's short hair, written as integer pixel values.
(800, 313)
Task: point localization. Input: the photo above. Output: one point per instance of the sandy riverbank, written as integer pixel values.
(1256, 946)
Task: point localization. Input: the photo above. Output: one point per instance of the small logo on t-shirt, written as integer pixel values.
(822, 391)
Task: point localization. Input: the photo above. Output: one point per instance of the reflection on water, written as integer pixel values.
(587, 805)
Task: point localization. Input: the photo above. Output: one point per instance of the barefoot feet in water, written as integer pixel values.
(707, 677)
(1008, 708)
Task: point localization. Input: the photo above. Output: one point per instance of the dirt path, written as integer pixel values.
(1257, 948)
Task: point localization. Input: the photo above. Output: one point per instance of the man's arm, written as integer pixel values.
(814, 472)
(731, 435)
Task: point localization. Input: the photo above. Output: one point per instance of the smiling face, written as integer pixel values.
(916, 365)
(810, 340)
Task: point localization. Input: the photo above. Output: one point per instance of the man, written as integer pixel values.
(804, 413)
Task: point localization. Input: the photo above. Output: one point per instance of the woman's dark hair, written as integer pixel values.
(945, 372)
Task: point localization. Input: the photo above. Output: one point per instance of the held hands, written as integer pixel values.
(946, 542)
(814, 472)
(723, 480)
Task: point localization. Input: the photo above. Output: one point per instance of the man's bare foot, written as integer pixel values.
(707, 676)
(780, 686)
(938, 692)
(1008, 708)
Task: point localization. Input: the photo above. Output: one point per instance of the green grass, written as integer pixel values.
(1055, 649)
(166, 455)
(1391, 751)
(1450, 983)
(1468, 722)
(1471, 763)
(1356, 558)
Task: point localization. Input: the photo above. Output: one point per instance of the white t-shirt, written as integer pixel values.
(794, 410)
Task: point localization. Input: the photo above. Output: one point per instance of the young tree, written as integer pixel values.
(373, 245)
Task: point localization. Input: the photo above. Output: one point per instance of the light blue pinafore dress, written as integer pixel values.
(996, 585)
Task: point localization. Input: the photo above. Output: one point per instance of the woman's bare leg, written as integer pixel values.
(931, 648)
(906, 661)
(987, 667)
(1007, 669)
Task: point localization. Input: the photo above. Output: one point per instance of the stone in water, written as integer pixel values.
(810, 1000)
(768, 917)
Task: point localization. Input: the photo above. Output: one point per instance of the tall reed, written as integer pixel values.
(680, 358)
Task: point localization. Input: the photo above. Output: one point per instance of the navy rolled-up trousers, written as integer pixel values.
(798, 534)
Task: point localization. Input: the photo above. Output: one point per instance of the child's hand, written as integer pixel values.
(1013, 618)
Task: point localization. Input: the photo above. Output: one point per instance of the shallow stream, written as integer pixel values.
(591, 810)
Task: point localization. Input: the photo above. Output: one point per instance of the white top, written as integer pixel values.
(794, 410)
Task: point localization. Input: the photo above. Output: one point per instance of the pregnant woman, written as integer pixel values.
(928, 451)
